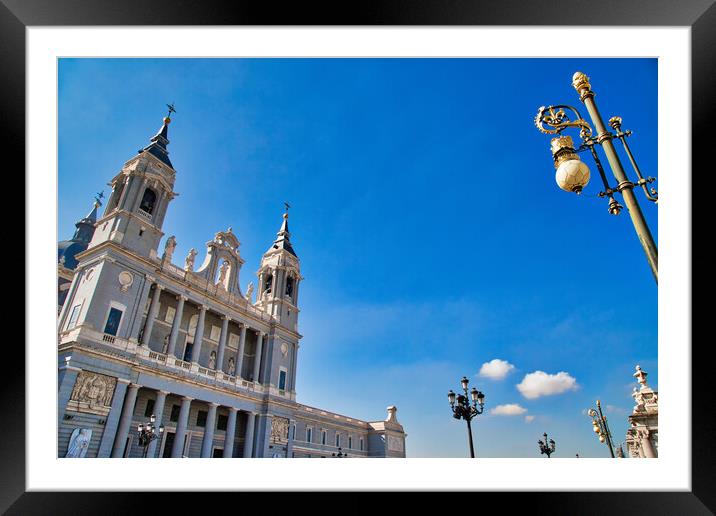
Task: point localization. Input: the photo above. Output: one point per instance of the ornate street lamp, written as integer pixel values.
(573, 175)
(147, 433)
(340, 454)
(601, 428)
(462, 409)
(547, 447)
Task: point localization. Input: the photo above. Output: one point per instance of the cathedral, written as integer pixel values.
(159, 359)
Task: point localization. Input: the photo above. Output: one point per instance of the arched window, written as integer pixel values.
(148, 200)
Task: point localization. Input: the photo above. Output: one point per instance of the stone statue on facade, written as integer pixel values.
(249, 291)
(231, 366)
(165, 346)
(79, 442)
(222, 273)
(189, 260)
(169, 249)
(212, 360)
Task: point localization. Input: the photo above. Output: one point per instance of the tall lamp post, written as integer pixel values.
(573, 175)
(462, 409)
(340, 454)
(601, 428)
(147, 433)
(547, 447)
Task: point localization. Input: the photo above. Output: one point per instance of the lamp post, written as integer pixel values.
(147, 433)
(547, 447)
(601, 428)
(340, 454)
(462, 409)
(573, 175)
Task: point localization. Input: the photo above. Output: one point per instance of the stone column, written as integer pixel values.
(66, 378)
(110, 425)
(294, 363)
(208, 441)
(175, 326)
(125, 420)
(257, 358)
(646, 445)
(178, 446)
(230, 433)
(240, 352)
(123, 195)
(134, 327)
(198, 335)
(249, 436)
(140, 194)
(152, 315)
(291, 431)
(222, 342)
(158, 413)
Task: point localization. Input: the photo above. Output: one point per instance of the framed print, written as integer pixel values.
(429, 239)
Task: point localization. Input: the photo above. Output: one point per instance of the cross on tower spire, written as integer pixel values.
(171, 109)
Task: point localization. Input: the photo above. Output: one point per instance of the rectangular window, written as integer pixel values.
(282, 380)
(201, 418)
(74, 316)
(361, 444)
(338, 439)
(350, 442)
(113, 319)
(293, 431)
(187, 352)
(323, 437)
(149, 409)
(309, 435)
(169, 317)
(215, 332)
(168, 443)
(222, 422)
(174, 416)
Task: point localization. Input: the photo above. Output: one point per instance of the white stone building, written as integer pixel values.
(642, 438)
(139, 335)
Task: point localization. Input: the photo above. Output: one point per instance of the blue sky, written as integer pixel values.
(432, 235)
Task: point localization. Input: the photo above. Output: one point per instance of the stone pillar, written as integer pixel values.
(646, 446)
(257, 358)
(222, 342)
(140, 194)
(291, 432)
(230, 433)
(178, 446)
(110, 425)
(158, 413)
(175, 326)
(66, 378)
(134, 327)
(294, 364)
(240, 352)
(125, 420)
(198, 335)
(151, 315)
(208, 441)
(249, 436)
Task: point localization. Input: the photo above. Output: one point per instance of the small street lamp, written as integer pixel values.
(573, 175)
(147, 433)
(547, 447)
(601, 428)
(462, 409)
(340, 454)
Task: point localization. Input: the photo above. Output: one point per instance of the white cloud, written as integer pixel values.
(510, 409)
(529, 419)
(495, 369)
(539, 383)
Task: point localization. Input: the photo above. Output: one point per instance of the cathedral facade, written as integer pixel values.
(141, 338)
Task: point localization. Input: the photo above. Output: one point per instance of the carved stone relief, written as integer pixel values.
(92, 393)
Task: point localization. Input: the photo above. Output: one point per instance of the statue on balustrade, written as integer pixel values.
(189, 261)
(212, 360)
(169, 249)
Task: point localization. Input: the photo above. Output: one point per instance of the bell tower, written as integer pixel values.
(141, 193)
(279, 278)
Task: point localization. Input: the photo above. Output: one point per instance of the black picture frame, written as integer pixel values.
(699, 15)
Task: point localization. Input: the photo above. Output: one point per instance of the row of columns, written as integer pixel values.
(128, 408)
(199, 335)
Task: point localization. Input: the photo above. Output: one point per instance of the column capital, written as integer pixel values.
(213, 404)
(187, 398)
(151, 278)
(166, 393)
(203, 308)
(250, 412)
(157, 286)
(182, 297)
(232, 409)
(124, 380)
(135, 386)
(226, 317)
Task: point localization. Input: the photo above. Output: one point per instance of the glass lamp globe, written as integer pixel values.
(572, 175)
